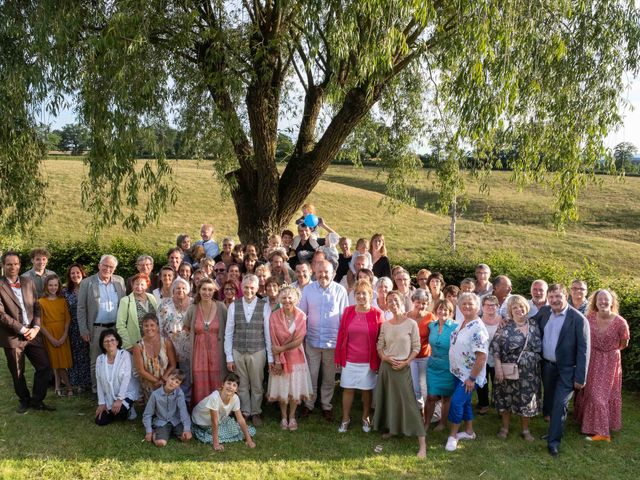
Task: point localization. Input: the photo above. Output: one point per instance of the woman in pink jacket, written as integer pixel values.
(356, 353)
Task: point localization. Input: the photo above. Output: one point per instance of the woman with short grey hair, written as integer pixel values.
(171, 313)
(383, 286)
(420, 313)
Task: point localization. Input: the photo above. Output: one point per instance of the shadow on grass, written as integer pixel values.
(68, 437)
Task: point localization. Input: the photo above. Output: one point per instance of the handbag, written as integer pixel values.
(510, 371)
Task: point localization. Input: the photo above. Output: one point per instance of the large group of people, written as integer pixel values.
(200, 346)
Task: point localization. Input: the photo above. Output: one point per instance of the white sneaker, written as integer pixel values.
(466, 436)
(366, 426)
(452, 444)
(344, 426)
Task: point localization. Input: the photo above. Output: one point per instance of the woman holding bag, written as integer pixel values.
(516, 348)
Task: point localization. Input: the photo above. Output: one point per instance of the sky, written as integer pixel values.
(628, 132)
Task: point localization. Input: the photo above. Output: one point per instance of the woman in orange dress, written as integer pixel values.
(55, 327)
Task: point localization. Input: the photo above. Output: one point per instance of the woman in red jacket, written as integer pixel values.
(356, 353)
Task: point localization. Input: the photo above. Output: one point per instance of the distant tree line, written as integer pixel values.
(370, 150)
(75, 139)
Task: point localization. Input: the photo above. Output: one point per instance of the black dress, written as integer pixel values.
(80, 371)
(382, 268)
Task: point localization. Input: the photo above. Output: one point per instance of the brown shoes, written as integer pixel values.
(304, 412)
(256, 420)
(327, 415)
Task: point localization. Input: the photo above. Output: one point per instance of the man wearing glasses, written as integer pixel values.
(98, 306)
(578, 295)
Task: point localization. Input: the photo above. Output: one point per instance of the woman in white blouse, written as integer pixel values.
(117, 388)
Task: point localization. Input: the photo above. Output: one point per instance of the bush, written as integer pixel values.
(88, 254)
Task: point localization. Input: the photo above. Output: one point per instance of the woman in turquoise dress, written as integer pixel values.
(440, 381)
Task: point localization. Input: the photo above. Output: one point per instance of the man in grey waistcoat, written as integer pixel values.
(247, 346)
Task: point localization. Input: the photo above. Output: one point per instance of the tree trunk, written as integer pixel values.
(265, 204)
(452, 229)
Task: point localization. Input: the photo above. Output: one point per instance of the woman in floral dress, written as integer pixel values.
(171, 312)
(598, 406)
(80, 371)
(518, 341)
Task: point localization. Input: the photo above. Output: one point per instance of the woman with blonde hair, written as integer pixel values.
(518, 342)
(598, 405)
(356, 353)
(290, 381)
(397, 411)
(262, 272)
(378, 249)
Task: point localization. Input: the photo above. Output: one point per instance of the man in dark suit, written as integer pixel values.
(98, 300)
(20, 334)
(565, 352)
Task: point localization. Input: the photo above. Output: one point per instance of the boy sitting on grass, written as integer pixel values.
(166, 410)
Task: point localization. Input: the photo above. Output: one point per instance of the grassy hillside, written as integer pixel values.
(350, 201)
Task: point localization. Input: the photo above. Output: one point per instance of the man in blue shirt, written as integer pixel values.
(565, 352)
(323, 301)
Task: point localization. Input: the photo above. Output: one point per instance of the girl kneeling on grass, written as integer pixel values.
(211, 420)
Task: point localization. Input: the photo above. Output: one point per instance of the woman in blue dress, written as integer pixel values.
(440, 380)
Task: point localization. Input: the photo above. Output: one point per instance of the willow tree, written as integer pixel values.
(546, 74)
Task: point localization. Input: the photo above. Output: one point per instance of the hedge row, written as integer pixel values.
(454, 268)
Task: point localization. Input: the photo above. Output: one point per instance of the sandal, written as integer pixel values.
(293, 425)
(503, 433)
(527, 436)
(284, 425)
(59, 392)
(69, 392)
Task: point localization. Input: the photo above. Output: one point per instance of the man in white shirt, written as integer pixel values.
(502, 290)
(247, 345)
(303, 276)
(323, 301)
(538, 296)
(20, 334)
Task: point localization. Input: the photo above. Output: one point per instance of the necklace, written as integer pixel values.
(206, 317)
(181, 305)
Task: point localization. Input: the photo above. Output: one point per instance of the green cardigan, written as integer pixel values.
(128, 323)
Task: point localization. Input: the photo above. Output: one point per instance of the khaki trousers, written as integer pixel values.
(250, 368)
(326, 358)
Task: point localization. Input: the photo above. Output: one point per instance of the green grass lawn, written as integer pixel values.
(66, 444)
(608, 234)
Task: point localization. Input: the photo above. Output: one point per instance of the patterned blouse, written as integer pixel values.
(466, 341)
